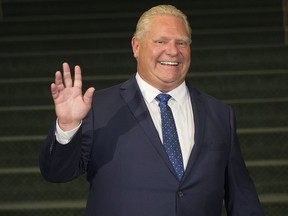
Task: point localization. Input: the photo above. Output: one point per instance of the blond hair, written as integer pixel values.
(144, 21)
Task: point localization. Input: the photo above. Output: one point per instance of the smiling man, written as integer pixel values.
(163, 52)
(153, 145)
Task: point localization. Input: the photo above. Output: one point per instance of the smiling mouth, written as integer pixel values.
(169, 63)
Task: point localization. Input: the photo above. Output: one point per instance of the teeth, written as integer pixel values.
(169, 63)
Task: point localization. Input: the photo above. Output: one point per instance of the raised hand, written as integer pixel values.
(71, 106)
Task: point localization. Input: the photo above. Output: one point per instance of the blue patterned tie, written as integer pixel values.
(170, 136)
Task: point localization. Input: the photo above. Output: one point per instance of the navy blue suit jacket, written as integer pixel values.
(129, 172)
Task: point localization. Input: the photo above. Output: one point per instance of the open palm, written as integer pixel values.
(71, 106)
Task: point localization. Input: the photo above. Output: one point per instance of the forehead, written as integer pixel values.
(167, 24)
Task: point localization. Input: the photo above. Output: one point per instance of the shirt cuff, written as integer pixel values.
(64, 137)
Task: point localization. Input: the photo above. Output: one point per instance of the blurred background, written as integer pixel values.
(239, 55)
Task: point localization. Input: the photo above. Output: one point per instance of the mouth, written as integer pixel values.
(169, 63)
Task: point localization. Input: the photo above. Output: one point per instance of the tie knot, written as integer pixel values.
(163, 98)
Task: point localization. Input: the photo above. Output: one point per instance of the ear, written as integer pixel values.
(135, 46)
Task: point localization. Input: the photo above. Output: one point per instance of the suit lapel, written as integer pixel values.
(132, 95)
(199, 113)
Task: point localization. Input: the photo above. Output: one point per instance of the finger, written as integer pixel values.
(67, 75)
(78, 77)
(59, 80)
(54, 91)
(88, 95)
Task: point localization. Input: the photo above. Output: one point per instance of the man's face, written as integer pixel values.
(163, 55)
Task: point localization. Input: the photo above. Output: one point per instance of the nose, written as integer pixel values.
(172, 48)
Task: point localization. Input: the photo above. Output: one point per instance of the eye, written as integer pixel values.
(182, 43)
(159, 42)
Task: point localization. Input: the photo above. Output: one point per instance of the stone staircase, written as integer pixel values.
(238, 55)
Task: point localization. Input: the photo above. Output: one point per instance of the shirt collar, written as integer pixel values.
(149, 92)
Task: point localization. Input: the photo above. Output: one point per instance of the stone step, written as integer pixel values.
(119, 61)
(37, 120)
(47, 7)
(93, 41)
(224, 4)
(230, 85)
(76, 208)
(23, 209)
(125, 22)
(270, 179)
(30, 186)
(262, 114)
(254, 84)
(16, 186)
(26, 121)
(20, 151)
(23, 151)
(269, 144)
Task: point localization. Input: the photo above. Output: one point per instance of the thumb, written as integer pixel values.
(87, 98)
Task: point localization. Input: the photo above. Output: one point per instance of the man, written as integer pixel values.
(117, 135)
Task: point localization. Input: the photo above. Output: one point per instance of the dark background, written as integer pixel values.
(239, 55)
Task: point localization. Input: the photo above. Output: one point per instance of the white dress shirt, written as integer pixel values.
(180, 104)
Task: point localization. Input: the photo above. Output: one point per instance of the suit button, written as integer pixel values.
(180, 194)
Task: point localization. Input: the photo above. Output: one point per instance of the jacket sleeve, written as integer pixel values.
(241, 198)
(62, 163)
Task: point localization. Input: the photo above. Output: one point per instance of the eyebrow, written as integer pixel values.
(186, 39)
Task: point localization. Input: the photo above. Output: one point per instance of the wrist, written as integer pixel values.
(68, 126)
